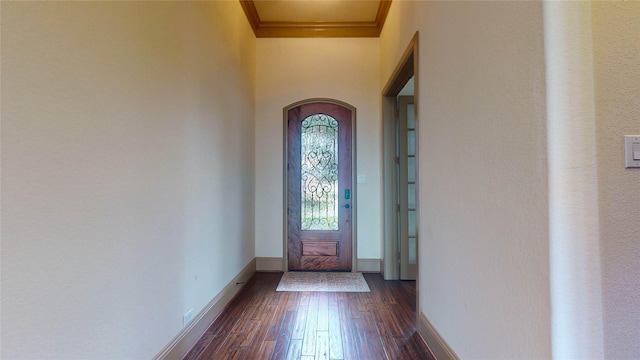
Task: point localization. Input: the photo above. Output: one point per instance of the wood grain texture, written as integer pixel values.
(294, 246)
(320, 248)
(319, 262)
(296, 249)
(264, 324)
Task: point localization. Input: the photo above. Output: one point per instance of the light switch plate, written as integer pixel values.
(631, 144)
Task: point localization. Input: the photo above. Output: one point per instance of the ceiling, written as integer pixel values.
(316, 18)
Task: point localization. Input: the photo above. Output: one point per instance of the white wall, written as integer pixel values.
(574, 235)
(290, 70)
(616, 44)
(484, 251)
(127, 171)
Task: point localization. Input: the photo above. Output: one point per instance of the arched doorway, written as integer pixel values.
(319, 195)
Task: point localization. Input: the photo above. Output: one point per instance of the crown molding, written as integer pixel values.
(267, 29)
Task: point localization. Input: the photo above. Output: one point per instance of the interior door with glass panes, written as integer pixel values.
(406, 180)
(319, 193)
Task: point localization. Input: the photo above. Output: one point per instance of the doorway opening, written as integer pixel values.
(400, 169)
(319, 192)
(406, 182)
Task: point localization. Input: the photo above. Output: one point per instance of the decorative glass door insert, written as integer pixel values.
(319, 173)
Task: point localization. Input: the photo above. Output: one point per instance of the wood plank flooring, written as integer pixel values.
(261, 323)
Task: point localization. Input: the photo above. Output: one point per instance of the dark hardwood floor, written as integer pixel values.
(261, 323)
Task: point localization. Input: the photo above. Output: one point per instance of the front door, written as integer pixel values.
(319, 192)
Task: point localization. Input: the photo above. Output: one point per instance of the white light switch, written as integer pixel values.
(632, 151)
(362, 179)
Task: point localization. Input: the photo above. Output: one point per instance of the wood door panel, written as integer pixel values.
(318, 236)
(294, 247)
(324, 247)
(320, 263)
(321, 248)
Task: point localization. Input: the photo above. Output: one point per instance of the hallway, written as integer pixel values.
(264, 324)
(144, 170)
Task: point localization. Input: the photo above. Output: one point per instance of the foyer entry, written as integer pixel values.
(319, 192)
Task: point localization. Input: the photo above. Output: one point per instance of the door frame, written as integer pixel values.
(354, 190)
(405, 69)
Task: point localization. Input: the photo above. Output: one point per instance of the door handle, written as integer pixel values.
(346, 206)
(347, 194)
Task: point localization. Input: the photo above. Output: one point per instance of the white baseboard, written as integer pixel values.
(369, 265)
(186, 338)
(440, 349)
(269, 264)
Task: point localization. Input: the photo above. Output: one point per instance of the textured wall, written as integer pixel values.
(576, 298)
(127, 171)
(290, 70)
(616, 44)
(484, 251)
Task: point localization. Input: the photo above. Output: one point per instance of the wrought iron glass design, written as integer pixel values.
(319, 203)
